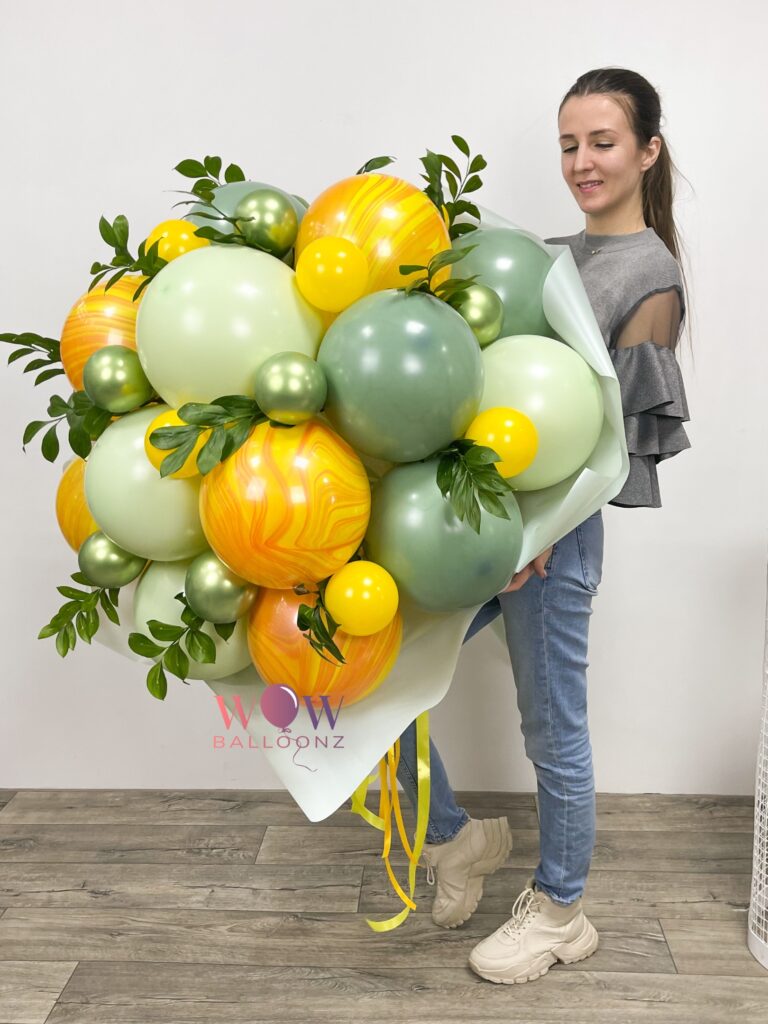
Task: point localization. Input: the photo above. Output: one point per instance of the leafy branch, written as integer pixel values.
(442, 170)
(375, 163)
(48, 351)
(318, 623)
(466, 474)
(229, 419)
(86, 423)
(453, 290)
(116, 236)
(82, 606)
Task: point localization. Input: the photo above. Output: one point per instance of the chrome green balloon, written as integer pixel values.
(436, 559)
(484, 312)
(106, 564)
(266, 218)
(114, 380)
(405, 375)
(558, 390)
(290, 387)
(226, 198)
(154, 598)
(214, 592)
(514, 266)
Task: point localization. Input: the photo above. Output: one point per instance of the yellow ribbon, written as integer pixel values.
(388, 804)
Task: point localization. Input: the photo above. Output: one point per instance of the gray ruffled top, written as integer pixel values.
(635, 288)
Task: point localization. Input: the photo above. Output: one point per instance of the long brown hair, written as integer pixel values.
(641, 103)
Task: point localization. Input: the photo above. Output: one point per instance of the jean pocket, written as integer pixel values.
(548, 563)
(590, 537)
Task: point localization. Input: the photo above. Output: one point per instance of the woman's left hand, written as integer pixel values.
(536, 566)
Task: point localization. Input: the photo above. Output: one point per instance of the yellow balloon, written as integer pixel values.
(176, 238)
(362, 597)
(156, 455)
(332, 273)
(510, 433)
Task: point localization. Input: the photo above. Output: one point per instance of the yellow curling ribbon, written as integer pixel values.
(389, 803)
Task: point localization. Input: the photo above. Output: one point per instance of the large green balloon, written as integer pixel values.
(154, 599)
(437, 560)
(561, 394)
(226, 198)
(405, 375)
(211, 317)
(142, 512)
(514, 266)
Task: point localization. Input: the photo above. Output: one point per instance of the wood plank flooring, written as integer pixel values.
(194, 907)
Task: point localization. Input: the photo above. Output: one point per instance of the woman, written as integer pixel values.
(616, 164)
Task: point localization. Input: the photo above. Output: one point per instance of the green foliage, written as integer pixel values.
(147, 263)
(444, 173)
(466, 475)
(451, 291)
(47, 351)
(318, 625)
(375, 163)
(82, 606)
(85, 422)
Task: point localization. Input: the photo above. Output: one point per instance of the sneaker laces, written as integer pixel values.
(524, 902)
(430, 875)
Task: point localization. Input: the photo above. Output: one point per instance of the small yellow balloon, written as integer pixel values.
(510, 433)
(362, 597)
(332, 273)
(156, 455)
(176, 238)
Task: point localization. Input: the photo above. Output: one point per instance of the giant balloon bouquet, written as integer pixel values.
(291, 422)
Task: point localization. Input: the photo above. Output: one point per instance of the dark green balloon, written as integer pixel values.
(114, 380)
(514, 266)
(266, 218)
(106, 564)
(290, 387)
(484, 312)
(214, 592)
(437, 560)
(405, 375)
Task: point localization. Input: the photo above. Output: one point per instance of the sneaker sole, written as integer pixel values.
(480, 869)
(565, 953)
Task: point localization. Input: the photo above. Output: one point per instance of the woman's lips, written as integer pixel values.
(590, 187)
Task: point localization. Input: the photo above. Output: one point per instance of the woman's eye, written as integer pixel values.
(600, 145)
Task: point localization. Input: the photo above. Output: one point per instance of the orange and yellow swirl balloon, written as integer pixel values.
(290, 506)
(72, 512)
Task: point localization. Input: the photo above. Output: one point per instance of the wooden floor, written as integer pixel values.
(228, 906)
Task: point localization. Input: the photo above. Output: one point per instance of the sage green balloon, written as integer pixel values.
(558, 390)
(106, 564)
(484, 312)
(514, 266)
(266, 218)
(405, 375)
(114, 380)
(214, 592)
(290, 387)
(436, 559)
(152, 516)
(154, 598)
(226, 197)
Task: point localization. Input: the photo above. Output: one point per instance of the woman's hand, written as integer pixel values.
(536, 566)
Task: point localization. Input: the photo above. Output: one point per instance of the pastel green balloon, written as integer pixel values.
(114, 380)
(214, 592)
(558, 390)
(290, 387)
(154, 598)
(106, 564)
(266, 218)
(226, 197)
(142, 512)
(436, 559)
(405, 375)
(514, 265)
(211, 317)
(484, 312)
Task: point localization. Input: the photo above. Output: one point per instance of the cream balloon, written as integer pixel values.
(211, 317)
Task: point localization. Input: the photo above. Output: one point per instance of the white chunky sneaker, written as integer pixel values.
(478, 849)
(539, 933)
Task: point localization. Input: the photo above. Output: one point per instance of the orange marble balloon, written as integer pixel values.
(72, 512)
(282, 653)
(99, 318)
(391, 220)
(290, 506)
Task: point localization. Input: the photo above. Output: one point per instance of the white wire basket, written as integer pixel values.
(757, 927)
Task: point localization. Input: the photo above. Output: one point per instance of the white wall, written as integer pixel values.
(100, 101)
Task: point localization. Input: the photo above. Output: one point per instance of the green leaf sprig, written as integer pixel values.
(173, 657)
(317, 624)
(148, 263)
(229, 419)
(82, 606)
(85, 421)
(48, 351)
(442, 170)
(453, 290)
(375, 163)
(466, 475)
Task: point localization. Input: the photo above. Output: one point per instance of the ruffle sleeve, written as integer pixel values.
(652, 394)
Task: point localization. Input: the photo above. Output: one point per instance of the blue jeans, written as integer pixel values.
(546, 623)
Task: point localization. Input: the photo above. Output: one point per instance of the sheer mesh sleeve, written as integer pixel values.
(652, 393)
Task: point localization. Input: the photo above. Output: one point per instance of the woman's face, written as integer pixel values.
(597, 144)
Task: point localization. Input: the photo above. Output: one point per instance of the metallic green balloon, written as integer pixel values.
(106, 564)
(436, 559)
(214, 592)
(290, 387)
(266, 218)
(226, 198)
(114, 380)
(484, 312)
(405, 375)
(514, 266)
